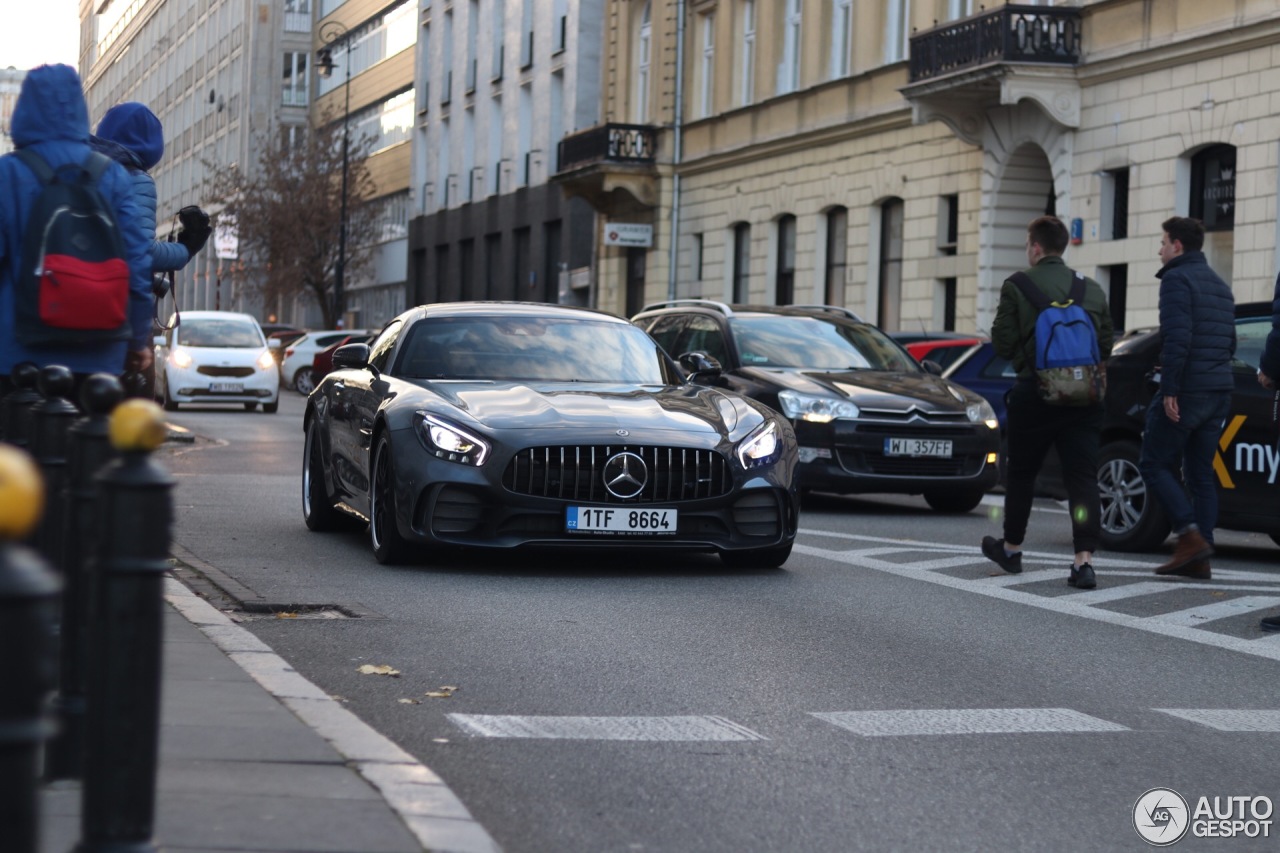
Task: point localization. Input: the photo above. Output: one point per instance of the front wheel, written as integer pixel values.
(304, 381)
(272, 407)
(317, 508)
(389, 547)
(757, 558)
(170, 405)
(953, 501)
(1132, 520)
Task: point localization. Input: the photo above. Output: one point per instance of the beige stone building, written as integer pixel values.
(887, 154)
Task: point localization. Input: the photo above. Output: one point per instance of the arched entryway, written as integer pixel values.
(1023, 192)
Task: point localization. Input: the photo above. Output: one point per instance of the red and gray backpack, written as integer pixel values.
(73, 287)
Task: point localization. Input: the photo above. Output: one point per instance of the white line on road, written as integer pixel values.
(604, 728)
(1228, 720)
(1219, 610)
(965, 721)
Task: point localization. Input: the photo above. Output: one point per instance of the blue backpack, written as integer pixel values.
(73, 286)
(1067, 358)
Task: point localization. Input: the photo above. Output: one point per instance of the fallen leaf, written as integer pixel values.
(447, 687)
(442, 693)
(283, 615)
(409, 701)
(381, 669)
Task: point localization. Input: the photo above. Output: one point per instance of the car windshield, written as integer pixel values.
(219, 332)
(530, 349)
(816, 343)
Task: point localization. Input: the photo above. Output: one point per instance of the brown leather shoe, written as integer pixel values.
(1190, 557)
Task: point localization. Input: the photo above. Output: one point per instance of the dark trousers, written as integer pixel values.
(1033, 426)
(1185, 448)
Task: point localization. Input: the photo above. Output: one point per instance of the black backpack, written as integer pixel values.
(73, 286)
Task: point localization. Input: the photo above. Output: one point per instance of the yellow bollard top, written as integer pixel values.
(137, 425)
(21, 493)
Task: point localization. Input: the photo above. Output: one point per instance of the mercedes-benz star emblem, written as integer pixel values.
(622, 432)
(625, 475)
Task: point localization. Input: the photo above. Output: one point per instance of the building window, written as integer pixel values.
(837, 256)
(1117, 293)
(495, 146)
(390, 216)
(896, 30)
(297, 16)
(746, 91)
(526, 35)
(741, 262)
(386, 124)
(559, 26)
(948, 224)
(367, 45)
(294, 89)
(789, 68)
(697, 257)
(945, 306)
(959, 9)
(891, 222)
(706, 71)
(1115, 204)
(640, 111)
(473, 38)
(785, 277)
(498, 29)
(841, 38)
(1213, 187)
(524, 135)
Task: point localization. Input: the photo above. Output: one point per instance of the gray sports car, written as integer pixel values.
(514, 425)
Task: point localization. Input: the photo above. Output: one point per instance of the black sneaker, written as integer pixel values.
(993, 550)
(1271, 623)
(1082, 577)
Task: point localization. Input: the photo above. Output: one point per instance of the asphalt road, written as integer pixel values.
(887, 689)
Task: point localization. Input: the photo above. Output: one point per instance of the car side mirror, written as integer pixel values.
(158, 341)
(931, 366)
(273, 343)
(351, 356)
(698, 365)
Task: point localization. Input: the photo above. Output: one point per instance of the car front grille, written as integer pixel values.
(862, 451)
(577, 473)
(209, 370)
(863, 462)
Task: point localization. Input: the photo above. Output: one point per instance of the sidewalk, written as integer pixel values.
(253, 757)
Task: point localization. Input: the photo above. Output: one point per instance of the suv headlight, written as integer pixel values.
(452, 443)
(982, 412)
(265, 361)
(181, 359)
(761, 447)
(811, 407)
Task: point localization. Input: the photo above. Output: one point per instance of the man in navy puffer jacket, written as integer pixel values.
(131, 135)
(50, 118)
(1186, 416)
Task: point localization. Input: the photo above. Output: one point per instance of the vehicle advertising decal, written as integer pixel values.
(1249, 458)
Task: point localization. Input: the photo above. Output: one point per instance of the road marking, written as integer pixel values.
(1119, 593)
(1228, 720)
(1219, 610)
(1002, 588)
(967, 721)
(702, 728)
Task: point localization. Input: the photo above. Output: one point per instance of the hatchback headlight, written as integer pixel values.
(761, 447)
(982, 412)
(447, 441)
(811, 407)
(180, 358)
(265, 361)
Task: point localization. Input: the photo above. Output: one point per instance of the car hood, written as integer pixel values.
(224, 356)
(871, 389)
(684, 409)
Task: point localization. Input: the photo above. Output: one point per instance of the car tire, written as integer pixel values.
(757, 558)
(170, 405)
(953, 501)
(303, 381)
(272, 407)
(317, 508)
(1132, 520)
(249, 407)
(389, 547)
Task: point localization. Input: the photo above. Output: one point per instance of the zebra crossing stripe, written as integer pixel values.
(695, 728)
(1219, 610)
(1225, 720)
(964, 721)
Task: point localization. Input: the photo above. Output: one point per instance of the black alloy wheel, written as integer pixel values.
(317, 508)
(389, 547)
(1132, 520)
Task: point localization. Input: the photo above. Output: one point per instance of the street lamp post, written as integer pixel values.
(329, 33)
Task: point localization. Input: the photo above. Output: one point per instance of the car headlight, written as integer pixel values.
(265, 361)
(761, 447)
(180, 358)
(447, 441)
(982, 412)
(811, 407)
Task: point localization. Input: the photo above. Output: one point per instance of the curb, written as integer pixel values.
(432, 812)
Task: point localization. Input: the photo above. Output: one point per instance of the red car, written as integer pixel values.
(942, 348)
(323, 361)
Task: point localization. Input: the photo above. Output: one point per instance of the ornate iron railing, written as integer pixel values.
(1049, 34)
(611, 143)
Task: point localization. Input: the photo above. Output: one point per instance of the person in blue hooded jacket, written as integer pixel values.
(50, 119)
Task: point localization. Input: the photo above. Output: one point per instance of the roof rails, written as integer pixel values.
(701, 303)
(831, 309)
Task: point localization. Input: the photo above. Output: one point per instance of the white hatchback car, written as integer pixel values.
(216, 357)
(295, 367)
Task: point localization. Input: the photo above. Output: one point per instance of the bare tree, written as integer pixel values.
(288, 212)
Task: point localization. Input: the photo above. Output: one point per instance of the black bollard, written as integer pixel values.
(51, 418)
(15, 408)
(134, 512)
(28, 610)
(89, 450)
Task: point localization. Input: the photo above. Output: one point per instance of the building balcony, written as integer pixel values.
(602, 161)
(997, 58)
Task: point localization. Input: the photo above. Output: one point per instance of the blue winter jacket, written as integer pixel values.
(131, 135)
(51, 119)
(1271, 353)
(1197, 327)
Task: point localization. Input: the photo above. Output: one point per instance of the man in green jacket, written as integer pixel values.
(1034, 425)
